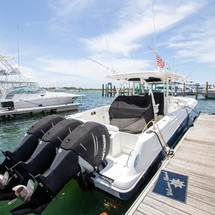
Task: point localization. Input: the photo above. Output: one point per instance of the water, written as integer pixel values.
(71, 199)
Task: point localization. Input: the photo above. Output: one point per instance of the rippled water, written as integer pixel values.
(72, 200)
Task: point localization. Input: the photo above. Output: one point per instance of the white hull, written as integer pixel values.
(211, 93)
(41, 100)
(45, 100)
(129, 157)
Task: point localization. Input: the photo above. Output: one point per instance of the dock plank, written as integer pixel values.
(4, 113)
(194, 157)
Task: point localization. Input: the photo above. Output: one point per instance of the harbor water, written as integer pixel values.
(71, 199)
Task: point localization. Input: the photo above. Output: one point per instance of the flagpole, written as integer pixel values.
(159, 62)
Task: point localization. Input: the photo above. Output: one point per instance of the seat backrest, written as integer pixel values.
(131, 113)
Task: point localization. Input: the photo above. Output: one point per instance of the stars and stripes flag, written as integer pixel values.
(160, 61)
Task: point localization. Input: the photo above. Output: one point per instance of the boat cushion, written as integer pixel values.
(131, 113)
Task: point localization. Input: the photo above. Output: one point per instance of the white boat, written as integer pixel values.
(211, 93)
(111, 148)
(16, 92)
(182, 88)
(208, 91)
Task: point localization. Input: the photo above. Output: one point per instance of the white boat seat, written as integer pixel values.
(121, 142)
(111, 128)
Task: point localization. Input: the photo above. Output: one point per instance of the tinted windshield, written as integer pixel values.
(33, 89)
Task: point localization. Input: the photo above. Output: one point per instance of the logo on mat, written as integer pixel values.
(172, 185)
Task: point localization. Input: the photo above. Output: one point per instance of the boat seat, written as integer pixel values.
(111, 128)
(131, 113)
(121, 142)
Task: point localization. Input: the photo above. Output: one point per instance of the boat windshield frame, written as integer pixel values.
(30, 89)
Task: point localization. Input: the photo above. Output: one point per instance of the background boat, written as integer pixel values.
(16, 91)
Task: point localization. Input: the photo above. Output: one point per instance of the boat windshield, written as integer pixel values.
(157, 87)
(138, 88)
(33, 89)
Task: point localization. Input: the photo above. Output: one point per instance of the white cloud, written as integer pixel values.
(195, 42)
(184, 32)
(65, 13)
(84, 72)
(135, 22)
(68, 8)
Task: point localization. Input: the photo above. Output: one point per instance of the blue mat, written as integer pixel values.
(172, 185)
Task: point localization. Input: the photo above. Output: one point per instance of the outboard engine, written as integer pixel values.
(26, 148)
(86, 147)
(43, 155)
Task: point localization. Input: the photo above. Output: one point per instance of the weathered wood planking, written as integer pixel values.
(194, 157)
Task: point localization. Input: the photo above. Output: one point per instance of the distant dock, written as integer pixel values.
(202, 92)
(108, 90)
(5, 113)
(194, 158)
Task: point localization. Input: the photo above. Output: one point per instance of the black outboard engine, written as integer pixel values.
(23, 152)
(26, 148)
(42, 157)
(86, 147)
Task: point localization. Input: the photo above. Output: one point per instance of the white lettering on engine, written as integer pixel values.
(104, 146)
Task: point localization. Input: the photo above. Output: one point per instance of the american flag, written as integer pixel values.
(160, 61)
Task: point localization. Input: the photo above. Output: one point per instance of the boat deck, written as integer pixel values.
(194, 157)
(43, 109)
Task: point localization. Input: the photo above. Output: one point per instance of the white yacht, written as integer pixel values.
(111, 148)
(211, 93)
(16, 92)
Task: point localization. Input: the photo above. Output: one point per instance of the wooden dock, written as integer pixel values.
(4, 113)
(195, 158)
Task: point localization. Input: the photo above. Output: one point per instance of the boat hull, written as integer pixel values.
(44, 100)
(186, 119)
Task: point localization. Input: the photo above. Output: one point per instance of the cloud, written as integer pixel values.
(117, 34)
(195, 42)
(68, 8)
(135, 23)
(65, 13)
(84, 72)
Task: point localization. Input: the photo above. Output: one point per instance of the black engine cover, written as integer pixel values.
(91, 141)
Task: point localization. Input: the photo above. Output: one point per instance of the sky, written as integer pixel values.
(76, 43)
